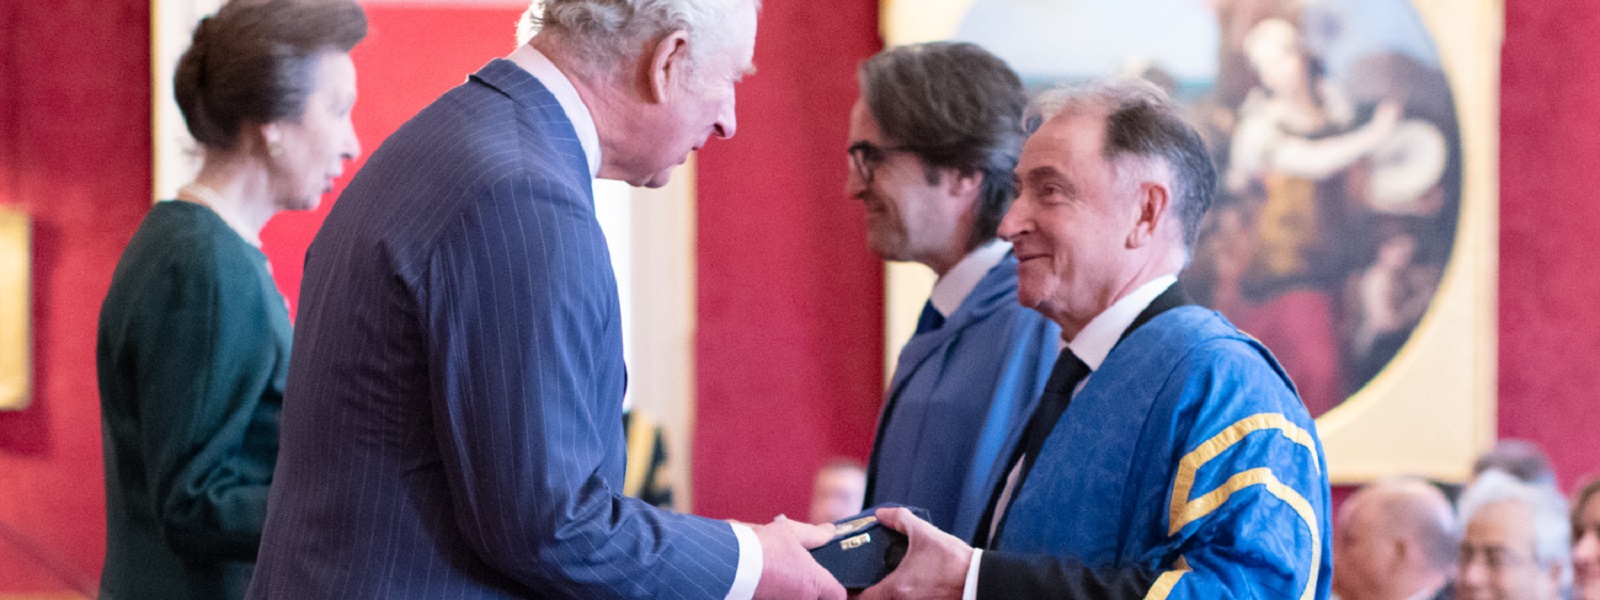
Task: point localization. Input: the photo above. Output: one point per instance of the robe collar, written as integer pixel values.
(954, 287)
(1107, 328)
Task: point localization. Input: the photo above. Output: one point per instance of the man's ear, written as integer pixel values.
(669, 62)
(1399, 554)
(1152, 201)
(961, 184)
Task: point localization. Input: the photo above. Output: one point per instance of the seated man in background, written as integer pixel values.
(839, 491)
(1521, 459)
(933, 138)
(1394, 539)
(1169, 456)
(648, 475)
(1514, 545)
(1586, 542)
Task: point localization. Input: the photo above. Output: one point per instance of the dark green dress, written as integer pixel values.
(193, 354)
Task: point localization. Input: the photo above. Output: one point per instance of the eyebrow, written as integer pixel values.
(1047, 173)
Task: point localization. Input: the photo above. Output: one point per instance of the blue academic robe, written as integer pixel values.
(1185, 467)
(960, 395)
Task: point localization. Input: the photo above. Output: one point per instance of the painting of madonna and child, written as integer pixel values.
(1335, 134)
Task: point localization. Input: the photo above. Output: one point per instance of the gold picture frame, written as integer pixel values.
(16, 337)
(1432, 409)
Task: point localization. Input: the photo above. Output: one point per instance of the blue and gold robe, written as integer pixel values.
(1185, 467)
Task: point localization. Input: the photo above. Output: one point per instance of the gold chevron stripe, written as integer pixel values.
(1167, 581)
(1185, 511)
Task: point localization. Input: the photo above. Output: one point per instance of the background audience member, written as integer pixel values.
(1394, 539)
(840, 489)
(648, 476)
(194, 336)
(1521, 459)
(1586, 543)
(1515, 545)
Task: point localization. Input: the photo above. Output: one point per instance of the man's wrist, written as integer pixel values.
(751, 561)
(969, 590)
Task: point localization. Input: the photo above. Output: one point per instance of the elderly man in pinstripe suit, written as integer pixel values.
(452, 423)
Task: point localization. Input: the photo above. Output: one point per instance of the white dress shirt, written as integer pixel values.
(952, 288)
(537, 64)
(1091, 346)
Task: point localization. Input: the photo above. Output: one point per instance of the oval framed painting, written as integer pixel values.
(1354, 228)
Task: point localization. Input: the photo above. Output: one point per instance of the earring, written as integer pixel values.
(274, 149)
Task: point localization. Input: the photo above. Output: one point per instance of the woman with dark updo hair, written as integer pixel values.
(193, 347)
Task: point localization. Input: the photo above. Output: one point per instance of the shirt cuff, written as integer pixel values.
(750, 563)
(970, 590)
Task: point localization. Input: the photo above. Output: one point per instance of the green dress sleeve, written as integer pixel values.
(210, 360)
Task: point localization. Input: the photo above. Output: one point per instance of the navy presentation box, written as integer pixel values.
(863, 551)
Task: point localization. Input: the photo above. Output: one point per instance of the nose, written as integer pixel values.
(352, 144)
(1471, 574)
(1015, 222)
(1587, 549)
(727, 121)
(854, 185)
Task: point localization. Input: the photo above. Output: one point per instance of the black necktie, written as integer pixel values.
(1064, 378)
(930, 320)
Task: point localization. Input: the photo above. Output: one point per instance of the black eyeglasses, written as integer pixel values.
(865, 157)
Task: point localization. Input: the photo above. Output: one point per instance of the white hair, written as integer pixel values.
(1105, 94)
(1552, 536)
(607, 32)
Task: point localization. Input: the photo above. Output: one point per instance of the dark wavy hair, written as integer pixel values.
(255, 62)
(956, 106)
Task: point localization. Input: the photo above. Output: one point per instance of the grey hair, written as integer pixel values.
(1518, 458)
(1552, 536)
(1144, 123)
(608, 32)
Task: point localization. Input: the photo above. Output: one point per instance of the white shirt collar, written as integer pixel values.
(1095, 341)
(537, 64)
(953, 288)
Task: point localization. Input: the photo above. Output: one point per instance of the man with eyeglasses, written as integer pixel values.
(934, 138)
(1515, 544)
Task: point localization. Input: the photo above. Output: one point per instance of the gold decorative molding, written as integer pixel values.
(16, 313)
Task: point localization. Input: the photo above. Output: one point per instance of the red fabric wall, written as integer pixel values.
(1549, 291)
(789, 365)
(75, 155)
(412, 54)
(789, 350)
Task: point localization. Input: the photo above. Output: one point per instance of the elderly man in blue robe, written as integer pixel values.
(1169, 456)
(933, 139)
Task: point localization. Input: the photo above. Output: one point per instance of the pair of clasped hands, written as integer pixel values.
(934, 568)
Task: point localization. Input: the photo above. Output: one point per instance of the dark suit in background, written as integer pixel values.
(452, 425)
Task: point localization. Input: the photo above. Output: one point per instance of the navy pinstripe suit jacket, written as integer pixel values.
(452, 426)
